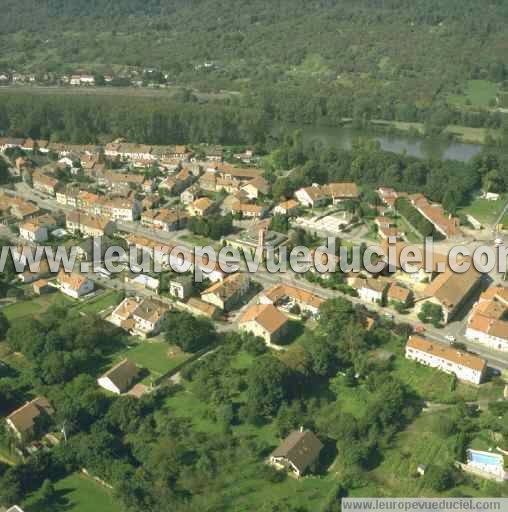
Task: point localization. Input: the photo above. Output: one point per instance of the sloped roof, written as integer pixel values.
(24, 417)
(266, 315)
(300, 448)
(122, 374)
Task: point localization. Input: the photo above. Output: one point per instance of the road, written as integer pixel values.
(265, 279)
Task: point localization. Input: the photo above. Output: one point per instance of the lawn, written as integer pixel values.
(484, 211)
(156, 356)
(36, 306)
(477, 93)
(78, 493)
(104, 301)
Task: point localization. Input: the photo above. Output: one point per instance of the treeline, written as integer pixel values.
(80, 119)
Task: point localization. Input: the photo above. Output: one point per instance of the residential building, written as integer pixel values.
(265, 321)
(256, 188)
(451, 290)
(311, 197)
(339, 192)
(370, 290)
(199, 307)
(488, 322)
(23, 420)
(142, 317)
(289, 208)
(285, 297)
(33, 232)
(164, 219)
(298, 453)
(44, 183)
(181, 288)
(248, 210)
(88, 225)
(201, 207)
(120, 378)
(463, 365)
(74, 285)
(399, 294)
(226, 294)
(190, 194)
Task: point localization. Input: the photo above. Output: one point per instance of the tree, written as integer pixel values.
(190, 333)
(4, 325)
(431, 313)
(439, 478)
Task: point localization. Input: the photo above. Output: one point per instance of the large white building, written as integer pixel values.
(463, 365)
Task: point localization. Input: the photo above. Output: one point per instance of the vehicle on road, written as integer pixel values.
(451, 338)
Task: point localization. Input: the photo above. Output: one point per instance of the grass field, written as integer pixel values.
(484, 211)
(78, 493)
(156, 356)
(477, 93)
(35, 307)
(102, 302)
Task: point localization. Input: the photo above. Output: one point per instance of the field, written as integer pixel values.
(477, 93)
(78, 493)
(156, 356)
(35, 307)
(484, 211)
(104, 301)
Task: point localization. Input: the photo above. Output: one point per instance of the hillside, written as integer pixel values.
(300, 60)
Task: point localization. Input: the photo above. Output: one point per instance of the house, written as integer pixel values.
(256, 188)
(43, 270)
(248, 210)
(88, 225)
(74, 285)
(120, 378)
(285, 297)
(488, 322)
(22, 421)
(181, 288)
(199, 307)
(44, 183)
(201, 207)
(388, 196)
(41, 286)
(298, 453)
(140, 316)
(15, 508)
(227, 293)
(164, 219)
(399, 294)
(463, 365)
(265, 321)
(311, 197)
(451, 290)
(33, 232)
(370, 290)
(168, 184)
(339, 192)
(148, 317)
(289, 208)
(190, 194)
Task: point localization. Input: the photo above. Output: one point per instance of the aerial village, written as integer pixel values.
(154, 198)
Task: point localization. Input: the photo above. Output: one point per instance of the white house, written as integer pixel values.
(265, 321)
(311, 196)
(463, 365)
(120, 378)
(369, 290)
(33, 232)
(74, 285)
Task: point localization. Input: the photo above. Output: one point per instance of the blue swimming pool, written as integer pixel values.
(485, 458)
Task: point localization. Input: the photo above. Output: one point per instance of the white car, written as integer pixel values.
(450, 338)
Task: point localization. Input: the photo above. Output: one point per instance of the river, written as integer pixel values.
(419, 147)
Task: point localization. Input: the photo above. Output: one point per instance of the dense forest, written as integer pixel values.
(301, 61)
